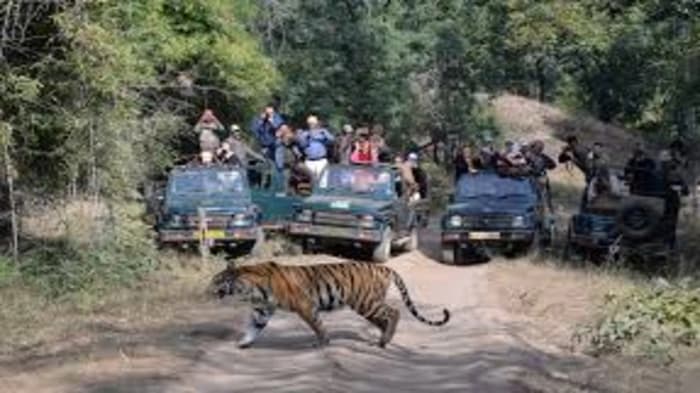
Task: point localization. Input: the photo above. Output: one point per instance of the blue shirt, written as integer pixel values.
(265, 130)
(314, 143)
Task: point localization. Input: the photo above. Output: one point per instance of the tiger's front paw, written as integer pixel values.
(244, 343)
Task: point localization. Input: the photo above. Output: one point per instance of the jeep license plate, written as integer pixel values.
(211, 234)
(484, 235)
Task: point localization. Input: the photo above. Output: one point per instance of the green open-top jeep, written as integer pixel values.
(208, 203)
(359, 206)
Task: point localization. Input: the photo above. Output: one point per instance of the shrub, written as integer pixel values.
(652, 323)
(119, 255)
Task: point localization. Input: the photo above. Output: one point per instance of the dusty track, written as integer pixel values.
(483, 349)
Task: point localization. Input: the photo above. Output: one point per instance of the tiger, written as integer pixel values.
(309, 289)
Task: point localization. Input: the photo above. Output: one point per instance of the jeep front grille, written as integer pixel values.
(487, 221)
(335, 219)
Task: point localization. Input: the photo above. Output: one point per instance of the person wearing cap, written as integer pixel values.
(345, 144)
(206, 127)
(265, 129)
(314, 143)
(419, 175)
(234, 150)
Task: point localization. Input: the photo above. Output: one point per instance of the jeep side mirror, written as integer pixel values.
(451, 198)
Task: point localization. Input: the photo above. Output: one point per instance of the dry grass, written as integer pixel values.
(77, 219)
(558, 299)
(33, 324)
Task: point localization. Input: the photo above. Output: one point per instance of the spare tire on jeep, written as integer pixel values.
(638, 218)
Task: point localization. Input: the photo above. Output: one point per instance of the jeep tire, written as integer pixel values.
(638, 220)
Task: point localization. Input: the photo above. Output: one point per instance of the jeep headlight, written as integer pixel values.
(455, 221)
(241, 220)
(519, 222)
(368, 222)
(304, 215)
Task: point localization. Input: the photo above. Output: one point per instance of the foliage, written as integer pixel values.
(648, 322)
(119, 254)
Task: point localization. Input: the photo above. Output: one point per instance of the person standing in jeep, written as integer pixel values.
(315, 142)
(674, 188)
(265, 128)
(206, 127)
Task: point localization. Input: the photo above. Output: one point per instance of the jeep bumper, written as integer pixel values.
(492, 238)
(335, 232)
(217, 236)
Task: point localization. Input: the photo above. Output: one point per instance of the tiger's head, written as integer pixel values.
(223, 283)
(243, 282)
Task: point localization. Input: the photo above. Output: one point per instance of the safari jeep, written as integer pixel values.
(211, 204)
(358, 206)
(622, 225)
(491, 212)
(270, 193)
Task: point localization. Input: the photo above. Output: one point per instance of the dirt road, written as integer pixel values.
(482, 349)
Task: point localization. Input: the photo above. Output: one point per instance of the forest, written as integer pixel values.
(98, 96)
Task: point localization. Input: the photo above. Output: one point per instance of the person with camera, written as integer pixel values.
(314, 143)
(265, 128)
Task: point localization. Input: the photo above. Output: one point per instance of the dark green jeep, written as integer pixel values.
(359, 206)
(211, 204)
(489, 212)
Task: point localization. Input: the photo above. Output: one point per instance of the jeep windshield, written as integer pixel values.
(363, 182)
(208, 187)
(492, 186)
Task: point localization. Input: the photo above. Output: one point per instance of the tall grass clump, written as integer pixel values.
(90, 250)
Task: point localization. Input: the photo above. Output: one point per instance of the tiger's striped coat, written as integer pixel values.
(310, 289)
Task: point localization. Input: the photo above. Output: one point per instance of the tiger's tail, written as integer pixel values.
(398, 281)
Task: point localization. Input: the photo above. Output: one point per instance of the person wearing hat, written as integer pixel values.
(344, 146)
(206, 127)
(314, 143)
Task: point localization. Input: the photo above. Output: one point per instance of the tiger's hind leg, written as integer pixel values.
(385, 318)
(311, 317)
(258, 320)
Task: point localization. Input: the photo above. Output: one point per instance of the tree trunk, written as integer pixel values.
(94, 186)
(13, 205)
